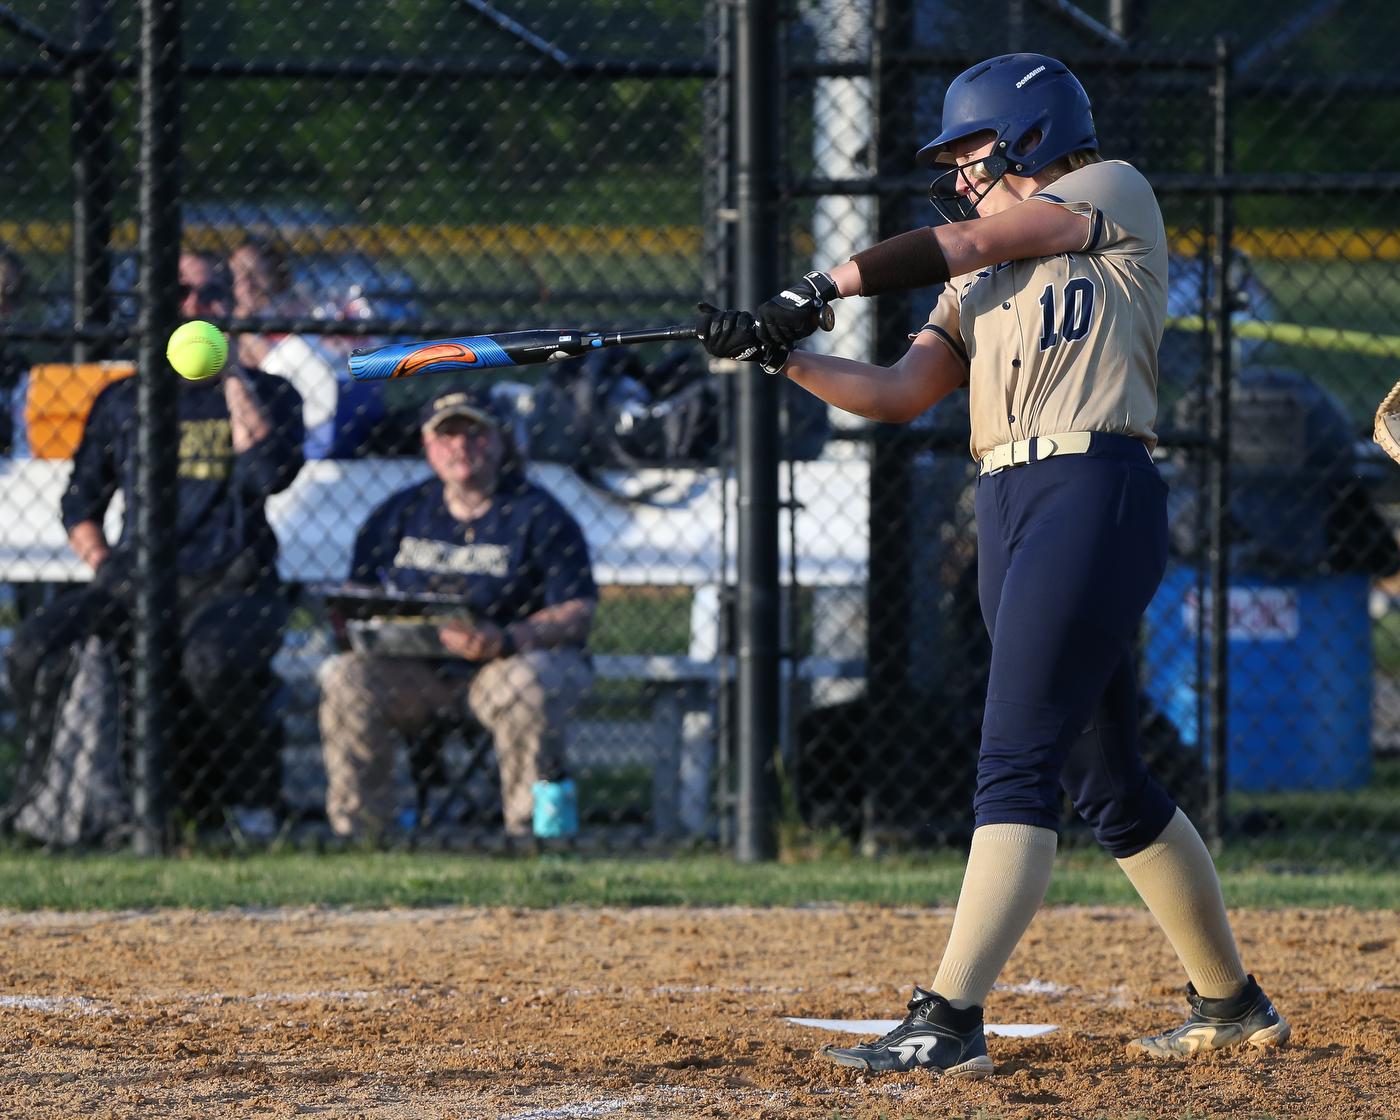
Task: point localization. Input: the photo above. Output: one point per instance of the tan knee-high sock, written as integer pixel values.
(1007, 874)
(1176, 878)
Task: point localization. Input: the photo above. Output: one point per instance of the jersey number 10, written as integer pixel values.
(1079, 312)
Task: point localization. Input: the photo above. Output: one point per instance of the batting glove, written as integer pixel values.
(792, 314)
(728, 334)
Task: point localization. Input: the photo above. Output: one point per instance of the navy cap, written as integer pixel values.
(474, 404)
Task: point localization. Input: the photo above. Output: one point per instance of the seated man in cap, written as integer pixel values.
(481, 530)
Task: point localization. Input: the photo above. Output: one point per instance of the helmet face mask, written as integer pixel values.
(981, 175)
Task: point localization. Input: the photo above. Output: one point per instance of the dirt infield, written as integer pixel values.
(652, 1012)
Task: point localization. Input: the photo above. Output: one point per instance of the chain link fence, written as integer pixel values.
(455, 167)
(1274, 732)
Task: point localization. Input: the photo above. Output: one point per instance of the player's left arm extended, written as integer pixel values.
(1029, 229)
(893, 395)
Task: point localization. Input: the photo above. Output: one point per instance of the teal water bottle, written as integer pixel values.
(556, 808)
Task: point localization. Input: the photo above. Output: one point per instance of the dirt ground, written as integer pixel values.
(530, 1015)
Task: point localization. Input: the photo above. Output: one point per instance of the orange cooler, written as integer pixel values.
(60, 398)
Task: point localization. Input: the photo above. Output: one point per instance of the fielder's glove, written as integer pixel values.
(1388, 423)
(794, 313)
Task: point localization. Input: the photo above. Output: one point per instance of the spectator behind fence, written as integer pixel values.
(262, 288)
(240, 441)
(481, 530)
(14, 361)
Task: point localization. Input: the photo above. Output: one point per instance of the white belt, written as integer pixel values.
(1032, 450)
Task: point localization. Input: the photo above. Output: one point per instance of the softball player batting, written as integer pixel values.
(1051, 314)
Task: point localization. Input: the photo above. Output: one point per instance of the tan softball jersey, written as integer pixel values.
(1067, 343)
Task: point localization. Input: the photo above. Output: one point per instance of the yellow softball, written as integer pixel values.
(197, 350)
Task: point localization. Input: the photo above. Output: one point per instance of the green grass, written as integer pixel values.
(1385, 643)
(1373, 811)
(642, 620)
(1352, 295)
(369, 880)
(625, 787)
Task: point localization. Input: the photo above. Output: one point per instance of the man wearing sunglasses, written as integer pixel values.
(240, 442)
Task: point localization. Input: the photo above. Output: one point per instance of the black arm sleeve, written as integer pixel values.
(901, 264)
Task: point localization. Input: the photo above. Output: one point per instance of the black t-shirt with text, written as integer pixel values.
(524, 553)
(220, 495)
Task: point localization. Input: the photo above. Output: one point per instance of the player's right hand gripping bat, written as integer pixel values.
(517, 348)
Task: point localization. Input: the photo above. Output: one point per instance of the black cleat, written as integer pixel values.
(1247, 1019)
(936, 1036)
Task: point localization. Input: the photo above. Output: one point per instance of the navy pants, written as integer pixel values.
(1070, 551)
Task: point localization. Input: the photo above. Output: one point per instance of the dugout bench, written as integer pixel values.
(646, 528)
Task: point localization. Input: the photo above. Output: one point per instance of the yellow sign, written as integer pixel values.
(1291, 334)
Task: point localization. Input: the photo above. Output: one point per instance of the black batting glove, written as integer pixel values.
(793, 313)
(728, 334)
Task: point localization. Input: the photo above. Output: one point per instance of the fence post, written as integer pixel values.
(92, 122)
(756, 100)
(719, 270)
(1220, 377)
(157, 425)
(889, 587)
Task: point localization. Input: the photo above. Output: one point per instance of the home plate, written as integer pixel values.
(880, 1026)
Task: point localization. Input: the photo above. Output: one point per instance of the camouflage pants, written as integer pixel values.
(524, 701)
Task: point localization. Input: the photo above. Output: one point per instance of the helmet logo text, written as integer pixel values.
(1029, 76)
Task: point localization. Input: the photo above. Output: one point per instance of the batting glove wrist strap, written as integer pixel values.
(901, 264)
(823, 287)
(774, 359)
(793, 313)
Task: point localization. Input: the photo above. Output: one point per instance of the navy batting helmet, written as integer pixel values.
(1015, 96)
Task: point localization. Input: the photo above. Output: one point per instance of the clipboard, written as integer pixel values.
(383, 622)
